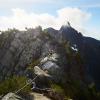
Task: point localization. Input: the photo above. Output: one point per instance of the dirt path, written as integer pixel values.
(38, 96)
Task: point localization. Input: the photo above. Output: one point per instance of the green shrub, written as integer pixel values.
(13, 84)
(57, 88)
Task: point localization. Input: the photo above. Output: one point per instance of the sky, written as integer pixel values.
(83, 15)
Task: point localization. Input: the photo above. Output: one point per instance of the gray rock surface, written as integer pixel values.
(50, 48)
(12, 96)
(33, 96)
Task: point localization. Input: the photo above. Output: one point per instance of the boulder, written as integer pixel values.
(12, 96)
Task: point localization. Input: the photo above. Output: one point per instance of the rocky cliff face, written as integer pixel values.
(19, 49)
(65, 54)
(89, 51)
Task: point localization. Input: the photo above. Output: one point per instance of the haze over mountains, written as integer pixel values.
(71, 59)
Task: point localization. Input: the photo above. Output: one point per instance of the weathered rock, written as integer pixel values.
(40, 72)
(65, 54)
(31, 96)
(11, 96)
(38, 96)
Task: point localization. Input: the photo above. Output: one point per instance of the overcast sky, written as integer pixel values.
(83, 15)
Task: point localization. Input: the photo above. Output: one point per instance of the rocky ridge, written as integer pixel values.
(64, 54)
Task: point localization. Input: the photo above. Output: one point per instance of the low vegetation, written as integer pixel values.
(13, 84)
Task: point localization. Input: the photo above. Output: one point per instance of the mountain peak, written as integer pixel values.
(67, 24)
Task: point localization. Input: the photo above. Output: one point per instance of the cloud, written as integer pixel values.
(78, 19)
(8, 4)
(21, 19)
(75, 16)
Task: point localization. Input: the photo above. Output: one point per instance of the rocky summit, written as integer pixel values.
(66, 63)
